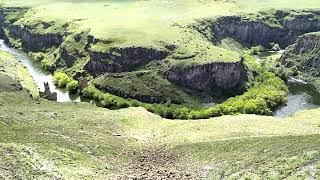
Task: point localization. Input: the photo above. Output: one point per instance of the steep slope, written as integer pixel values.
(273, 26)
(304, 54)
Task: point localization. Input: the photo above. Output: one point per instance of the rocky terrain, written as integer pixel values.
(304, 54)
(215, 78)
(275, 26)
(81, 54)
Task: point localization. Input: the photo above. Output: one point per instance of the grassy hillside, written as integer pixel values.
(145, 22)
(40, 139)
(95, 37)
(46, 139)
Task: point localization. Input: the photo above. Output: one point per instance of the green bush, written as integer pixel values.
(46, 64)
(72, 86)
(61, 79)
(107, 100)
(256, 50)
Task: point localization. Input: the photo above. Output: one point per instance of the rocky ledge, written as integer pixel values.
(304, 54)
(216, 78)
(122, 59)
(277, 26)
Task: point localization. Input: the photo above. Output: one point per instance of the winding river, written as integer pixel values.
(302, 96)
(39, 76)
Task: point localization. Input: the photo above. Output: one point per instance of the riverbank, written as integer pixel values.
(36, 77)
(16, 71)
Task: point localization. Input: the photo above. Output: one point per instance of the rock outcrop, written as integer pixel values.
(304, 54)
(121, 59)
(282, 27)
(30, 40)
(217, 78)
(47, 94)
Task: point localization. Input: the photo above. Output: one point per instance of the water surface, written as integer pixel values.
(39, 76)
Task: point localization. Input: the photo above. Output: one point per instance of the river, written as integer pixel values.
(40, 76)
(302, 96)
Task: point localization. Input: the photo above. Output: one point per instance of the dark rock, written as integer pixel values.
(304, 54)
(82, 83)
(47, 94)
(216, 77)
(122, 59)
(253, 31)
(31, 41)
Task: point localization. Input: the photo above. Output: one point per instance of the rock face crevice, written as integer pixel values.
(282, 27)
(217, 78)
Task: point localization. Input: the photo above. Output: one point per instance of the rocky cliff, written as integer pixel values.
(282, 27)
(35, 42)
(29, 38)
(304, 54)
(121, 59)
(217, 78)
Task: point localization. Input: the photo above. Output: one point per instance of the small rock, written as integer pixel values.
(114, 134)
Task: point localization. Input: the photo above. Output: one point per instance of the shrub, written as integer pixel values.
(72, 86)
(38, 57)
(256, 50)
(61, 79)
(46, 64)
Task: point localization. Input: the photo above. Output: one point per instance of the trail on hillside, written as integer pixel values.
(157, 163)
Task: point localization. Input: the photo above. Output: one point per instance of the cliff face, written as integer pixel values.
(214, 77)
(304, 54)
(30, 41)
(280, 27)
(119, 59)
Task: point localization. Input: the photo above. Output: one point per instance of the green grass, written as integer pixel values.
(150, 22)
(79, 141)
(41, 139)
(144, 84)
(14, 69)
(265, 157)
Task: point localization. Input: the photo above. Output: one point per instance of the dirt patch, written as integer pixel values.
(157, 163)
(309, 170)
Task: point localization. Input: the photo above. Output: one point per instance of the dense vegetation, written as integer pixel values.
(76, 141)
(62, 80)
(149, 86)
(268, 92)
